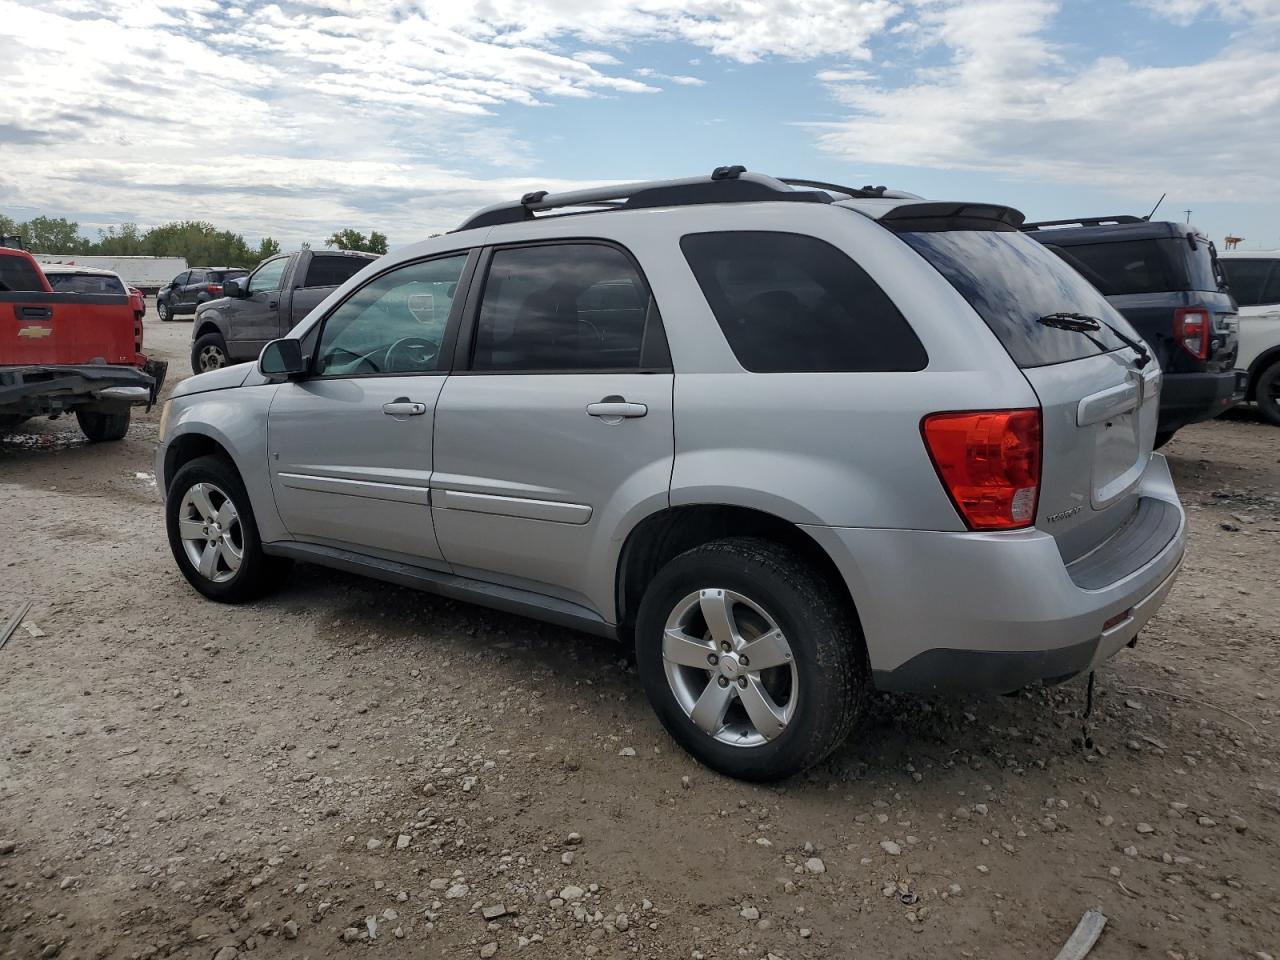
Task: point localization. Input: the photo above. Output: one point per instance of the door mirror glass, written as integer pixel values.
(231, 288)
(282, 358)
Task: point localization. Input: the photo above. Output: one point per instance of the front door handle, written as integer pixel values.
(614, 409)
(404, 407)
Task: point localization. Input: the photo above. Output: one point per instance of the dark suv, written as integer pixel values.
(1166, 280)
(188, 290)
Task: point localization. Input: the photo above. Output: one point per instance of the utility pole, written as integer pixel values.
(1188, 213)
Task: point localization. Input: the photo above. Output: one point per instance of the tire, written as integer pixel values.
(238, 571)
(1267, 393)
(1163, 438)
(163, 311)
(209, 352)
(100, 427)
(816, 691)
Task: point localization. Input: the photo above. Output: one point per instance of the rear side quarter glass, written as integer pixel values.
(16, 273)
(327, 271)
(791, 303)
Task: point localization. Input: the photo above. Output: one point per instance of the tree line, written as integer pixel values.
(197, 241)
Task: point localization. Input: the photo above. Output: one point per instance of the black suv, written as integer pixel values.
(188, 290)
(1166, 280)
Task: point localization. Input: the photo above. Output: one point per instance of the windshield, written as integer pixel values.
(1012, 281)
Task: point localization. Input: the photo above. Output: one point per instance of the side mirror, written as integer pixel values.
(232, 288)
(282, 360)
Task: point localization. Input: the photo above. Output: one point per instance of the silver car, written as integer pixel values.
(794, 441)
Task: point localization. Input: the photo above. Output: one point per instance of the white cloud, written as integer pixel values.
(1009, 101)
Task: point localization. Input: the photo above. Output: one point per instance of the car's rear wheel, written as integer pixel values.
(209, 352)
(163, 311)
(214, 536)
(99, 427)
(752, 660)
(1267, 393)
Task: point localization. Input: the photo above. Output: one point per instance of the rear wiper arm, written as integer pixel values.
(1083, 323)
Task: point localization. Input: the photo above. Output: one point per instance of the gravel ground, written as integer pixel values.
(350, 769)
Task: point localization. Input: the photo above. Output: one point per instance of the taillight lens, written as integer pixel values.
(1193, 329)
(215, 289)
(989, 462)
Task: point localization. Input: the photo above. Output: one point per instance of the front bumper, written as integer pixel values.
(1187, 398)
(943, 611)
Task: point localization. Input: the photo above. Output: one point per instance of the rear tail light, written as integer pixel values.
(989, 463)
(137, 335)
(1192, 328)
(215, 289)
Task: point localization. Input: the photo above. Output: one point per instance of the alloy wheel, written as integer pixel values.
(211, 533)
(211, 357)
(730, 667)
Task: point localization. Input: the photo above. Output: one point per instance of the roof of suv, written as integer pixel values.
(1094, 229)
(896, 210)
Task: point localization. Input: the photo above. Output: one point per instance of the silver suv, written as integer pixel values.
(794, 441)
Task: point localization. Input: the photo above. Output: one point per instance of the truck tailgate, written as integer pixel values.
(67, 328)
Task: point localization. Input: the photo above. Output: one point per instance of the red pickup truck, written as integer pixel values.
(69, 352)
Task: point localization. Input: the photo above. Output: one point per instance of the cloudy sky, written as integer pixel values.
(296, 118)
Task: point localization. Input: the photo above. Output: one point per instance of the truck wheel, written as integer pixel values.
(209, 352)
(103, 426)
(214, 536)
(750, 658)
(1267, 393)
(163, 312)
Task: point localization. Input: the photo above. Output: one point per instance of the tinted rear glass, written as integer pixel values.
(1203, 270)
(217, 276)
(333, 271)
(1130, 266)
(85, 283)
(1253, 282)
(1012, 281)
(16, 273)
(789, 303)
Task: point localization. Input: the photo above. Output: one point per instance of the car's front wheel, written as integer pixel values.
(100, 427)
(163, 311)
(209, 352)
(751, 658)
(213, 534)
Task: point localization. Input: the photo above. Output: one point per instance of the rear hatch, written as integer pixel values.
(1098, 407)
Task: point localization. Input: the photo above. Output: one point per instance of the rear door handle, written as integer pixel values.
(615, 408)
(404, 407)
(37, 313)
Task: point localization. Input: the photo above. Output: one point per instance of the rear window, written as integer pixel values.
(1012, 281)
(333, 271)
(789, 303)
(1117, 269)
(85, 283)
(1253, 282)
(17, 273)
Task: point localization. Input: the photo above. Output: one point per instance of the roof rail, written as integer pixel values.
(1083, 222)
(858, 193)
(725, 185)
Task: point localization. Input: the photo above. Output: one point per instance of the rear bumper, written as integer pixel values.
(39, 390)
(996, 611)
(1189, 398)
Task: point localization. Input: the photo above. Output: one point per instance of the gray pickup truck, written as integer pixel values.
(267, 304)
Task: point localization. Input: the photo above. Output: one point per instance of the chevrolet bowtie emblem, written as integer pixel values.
(36, 332)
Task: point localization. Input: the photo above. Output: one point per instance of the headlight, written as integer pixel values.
(164, 419)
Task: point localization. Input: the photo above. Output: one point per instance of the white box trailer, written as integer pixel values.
(147, 273)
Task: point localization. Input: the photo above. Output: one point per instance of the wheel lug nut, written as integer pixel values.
(724, 647)
(712, 659)
(744, 661)
(742, 681)
(723, 681)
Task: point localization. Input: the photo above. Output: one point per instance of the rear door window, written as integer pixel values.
(197, 276)
(327, 271)
(1012, 281)
(1253, 282)
(562, 307)
(789, 303)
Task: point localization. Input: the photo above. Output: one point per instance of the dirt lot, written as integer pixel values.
(350, 769)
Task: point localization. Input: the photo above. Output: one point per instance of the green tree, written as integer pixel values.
(53, 235)
(349, 239)
(129, 240)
